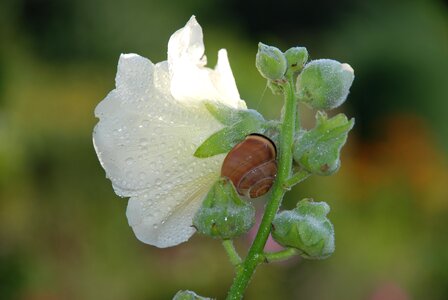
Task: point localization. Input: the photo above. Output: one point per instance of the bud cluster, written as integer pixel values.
(322, 84)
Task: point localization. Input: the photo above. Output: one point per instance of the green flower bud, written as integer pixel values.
(305, 228)
(188, 295)
(270, 62)
(296, 58)
(224, 214)
(318, 150)
(324, 83)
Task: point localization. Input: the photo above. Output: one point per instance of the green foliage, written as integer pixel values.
(318, 149)
(239, 124)
(306, 228)
(324, 83)
(224, 214)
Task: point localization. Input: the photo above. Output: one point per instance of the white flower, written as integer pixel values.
(151, 125)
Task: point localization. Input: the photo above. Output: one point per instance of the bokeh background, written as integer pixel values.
(63, 232)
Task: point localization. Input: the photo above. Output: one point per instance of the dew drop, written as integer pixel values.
(143, 142)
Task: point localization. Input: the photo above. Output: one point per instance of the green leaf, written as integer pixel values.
(223, 113)
(318, 150)
(240, 124)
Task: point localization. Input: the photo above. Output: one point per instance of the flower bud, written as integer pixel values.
(270, 62)
(324, 83)
(318, 150)
(305, 228)
(224, 214)
(296, 58)
(188, 295)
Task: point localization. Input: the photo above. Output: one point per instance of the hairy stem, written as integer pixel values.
(231, 252)
(300, 176)
(280, 255)
(286, 137)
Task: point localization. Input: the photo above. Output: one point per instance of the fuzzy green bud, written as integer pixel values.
(318, 150)
(188, 295)
(324, 83)
(224, 214)
(296, 58)
(305, 228)
(270, 62)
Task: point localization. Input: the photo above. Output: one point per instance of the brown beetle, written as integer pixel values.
(251, 165)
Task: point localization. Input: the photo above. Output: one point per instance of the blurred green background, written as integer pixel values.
(63, 232)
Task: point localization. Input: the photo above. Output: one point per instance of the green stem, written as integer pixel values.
(255, 255)
(280, 255)
(300, 176)
(235, 259)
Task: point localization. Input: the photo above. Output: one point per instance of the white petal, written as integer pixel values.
(143, 132)
(163, 217)
(190, 79)
(145, 141)
(187, 43)
(225, 82)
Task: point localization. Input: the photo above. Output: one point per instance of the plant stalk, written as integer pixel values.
(255, 256)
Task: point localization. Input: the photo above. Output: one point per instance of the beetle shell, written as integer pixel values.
(251, 165)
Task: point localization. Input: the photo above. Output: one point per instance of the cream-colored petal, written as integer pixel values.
(187, 43)
(225, 82)
(145, 141)
(190, 79)
(163, 216)
(144, 134)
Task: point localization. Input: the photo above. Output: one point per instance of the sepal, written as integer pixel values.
(318, 150)
(239, 124)
(305, 228)
(223, 213)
